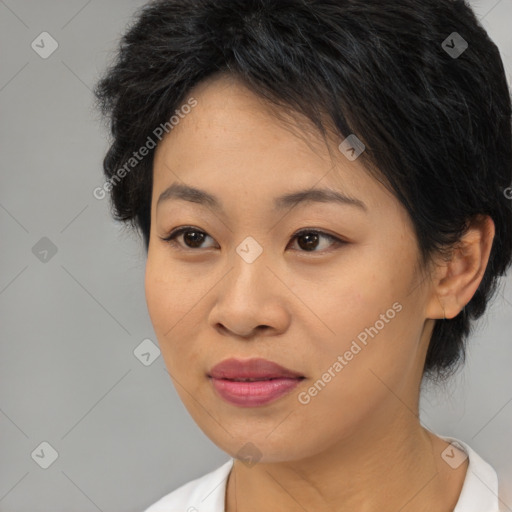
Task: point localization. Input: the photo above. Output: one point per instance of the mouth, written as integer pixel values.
(253, 382)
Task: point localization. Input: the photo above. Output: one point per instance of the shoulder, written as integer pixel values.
(204, 494)
(480, 489)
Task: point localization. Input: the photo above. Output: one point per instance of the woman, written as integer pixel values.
(322, 189)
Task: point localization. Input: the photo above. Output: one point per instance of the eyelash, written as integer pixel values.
(171, 238)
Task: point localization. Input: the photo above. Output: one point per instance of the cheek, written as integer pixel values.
(160, 291)
(362, 368)
(369, 314)
(170, 295)
(170, 301)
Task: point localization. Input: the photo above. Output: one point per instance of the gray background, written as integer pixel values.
(70, 323)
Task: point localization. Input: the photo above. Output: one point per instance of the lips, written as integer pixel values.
(251, 370)
(253, 382)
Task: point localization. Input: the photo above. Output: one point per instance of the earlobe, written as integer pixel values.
(458, 278)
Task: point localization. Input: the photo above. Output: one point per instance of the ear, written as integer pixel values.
(456, 279)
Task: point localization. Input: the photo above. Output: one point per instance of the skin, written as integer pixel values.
(358, 444)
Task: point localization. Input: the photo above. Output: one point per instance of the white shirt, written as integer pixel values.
(207, 493)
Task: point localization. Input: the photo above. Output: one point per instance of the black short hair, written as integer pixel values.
(434, 115)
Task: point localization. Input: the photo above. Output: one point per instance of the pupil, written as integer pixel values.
(312, 237)
(194, 241)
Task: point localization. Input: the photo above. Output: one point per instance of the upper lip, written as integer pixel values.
(256, 368)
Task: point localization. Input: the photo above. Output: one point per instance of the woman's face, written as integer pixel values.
(350, 317)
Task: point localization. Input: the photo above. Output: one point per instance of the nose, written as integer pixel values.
(251, 300)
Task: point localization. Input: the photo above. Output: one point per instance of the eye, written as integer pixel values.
(310, 238)
(194, 237)
(191, 234)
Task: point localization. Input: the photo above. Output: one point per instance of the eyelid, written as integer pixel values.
(171, 238)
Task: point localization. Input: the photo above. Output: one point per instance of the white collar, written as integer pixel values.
(480, 490)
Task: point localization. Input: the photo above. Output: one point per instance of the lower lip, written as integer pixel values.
(255, 393)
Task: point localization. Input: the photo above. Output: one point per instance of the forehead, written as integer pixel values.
(229, 113)
(233, 141)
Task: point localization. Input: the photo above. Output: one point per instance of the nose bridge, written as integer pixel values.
(250, 286)
(250, 296)
(249, 260)
(249, 250)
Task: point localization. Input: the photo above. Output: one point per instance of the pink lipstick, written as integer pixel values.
(252, 382)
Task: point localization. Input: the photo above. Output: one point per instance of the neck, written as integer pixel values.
(388, 467)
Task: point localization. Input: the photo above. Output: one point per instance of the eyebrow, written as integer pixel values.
(316, 195)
